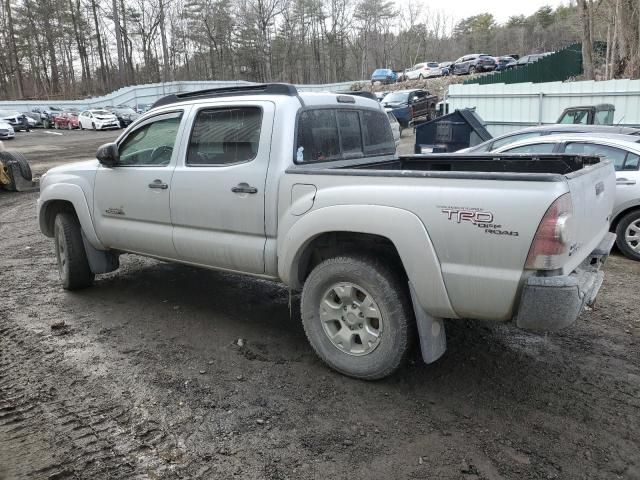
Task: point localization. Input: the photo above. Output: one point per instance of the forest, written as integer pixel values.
(78, 48)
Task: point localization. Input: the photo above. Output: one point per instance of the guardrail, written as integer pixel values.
(149, 93)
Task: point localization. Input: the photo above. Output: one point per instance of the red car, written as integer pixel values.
(68, 120)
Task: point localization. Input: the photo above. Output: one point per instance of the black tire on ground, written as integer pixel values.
(16, 165)
(93, 125)
(391, 295)
(630, 220)
(73, 265)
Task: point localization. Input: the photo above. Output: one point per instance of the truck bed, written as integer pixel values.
(548, 167)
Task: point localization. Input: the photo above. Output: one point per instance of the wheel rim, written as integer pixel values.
(351, 319)
(61, 253)
(632, 235)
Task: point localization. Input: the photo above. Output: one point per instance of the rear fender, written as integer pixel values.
(403, 228)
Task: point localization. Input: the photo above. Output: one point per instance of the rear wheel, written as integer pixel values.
(357, 316)
(93, 125)
(73, 265)
(628, 235)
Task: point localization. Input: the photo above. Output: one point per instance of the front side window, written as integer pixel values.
(225, 136)
(152, 143)
(533, 148)
(616, 155)
(513, 138)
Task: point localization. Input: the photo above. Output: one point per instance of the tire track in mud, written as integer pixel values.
(55, 423)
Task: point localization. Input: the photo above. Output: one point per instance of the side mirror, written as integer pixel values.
(108, 154)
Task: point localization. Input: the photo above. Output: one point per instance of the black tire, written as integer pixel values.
(73, 265)
(389, 292)
(46, 123)
(625, 247)
(420, 77)
(472, 70)
(93, 125)
(16, 164)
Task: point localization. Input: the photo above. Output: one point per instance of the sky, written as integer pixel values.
(501, 9)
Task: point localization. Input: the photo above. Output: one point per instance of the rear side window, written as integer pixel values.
(338, 134)
(225, 136)
(616, 155)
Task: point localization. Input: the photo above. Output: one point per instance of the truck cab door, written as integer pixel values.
(218, 190)
(131, 199)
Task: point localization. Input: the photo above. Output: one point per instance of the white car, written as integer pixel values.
(6, 130)
(98, 120)
(624, 152)
(423, 70)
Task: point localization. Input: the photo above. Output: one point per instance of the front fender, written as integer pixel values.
(403, 228)
(70, 193)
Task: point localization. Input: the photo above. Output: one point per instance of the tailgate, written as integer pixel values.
(592, 195)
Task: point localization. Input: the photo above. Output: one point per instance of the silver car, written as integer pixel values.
(6, 130)
(542, 130)
(624, 151)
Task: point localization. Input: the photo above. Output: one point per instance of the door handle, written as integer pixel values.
(244, 188)
(625, 181)
(157, 183)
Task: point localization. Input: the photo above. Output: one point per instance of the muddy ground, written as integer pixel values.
(142, 377)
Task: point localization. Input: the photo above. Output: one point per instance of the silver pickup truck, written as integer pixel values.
(306, 189)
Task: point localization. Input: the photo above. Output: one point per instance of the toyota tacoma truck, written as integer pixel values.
(306, 189)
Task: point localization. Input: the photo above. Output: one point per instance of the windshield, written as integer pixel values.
(381, 71)
(396, 97)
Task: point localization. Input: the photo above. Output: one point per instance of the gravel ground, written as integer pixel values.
(163, 371)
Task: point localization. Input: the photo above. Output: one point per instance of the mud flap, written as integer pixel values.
(433, 340)
(100, 261)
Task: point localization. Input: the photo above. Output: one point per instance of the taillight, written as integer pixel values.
(551, 241)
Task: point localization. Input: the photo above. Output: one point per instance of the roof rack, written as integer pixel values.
(258, 89)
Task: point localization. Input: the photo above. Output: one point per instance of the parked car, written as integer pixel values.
(142, 108)
(395, 128)
(98, 120)
(380, 95)
(68, 120)
(624, 152)
(6, 130)
(601, 114)
(542, 130)
(384, 76)
(409, 105)
(504, 63)
(423, 70)
(445, 67)
(125, 114)
(47, 114)
(15, 119)
(474, 63)
(311, 194)
(527, 59)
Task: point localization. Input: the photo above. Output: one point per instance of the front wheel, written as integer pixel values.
(472, 70)
(357, 316)
(93, 125)
(73, 264)
(628, 235)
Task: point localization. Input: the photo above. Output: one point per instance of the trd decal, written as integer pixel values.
(478, 217)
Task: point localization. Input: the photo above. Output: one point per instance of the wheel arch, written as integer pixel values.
(66, 197)
(395, 233)
(618, 216)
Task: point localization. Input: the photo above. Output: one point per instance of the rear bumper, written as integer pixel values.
(551, 303)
